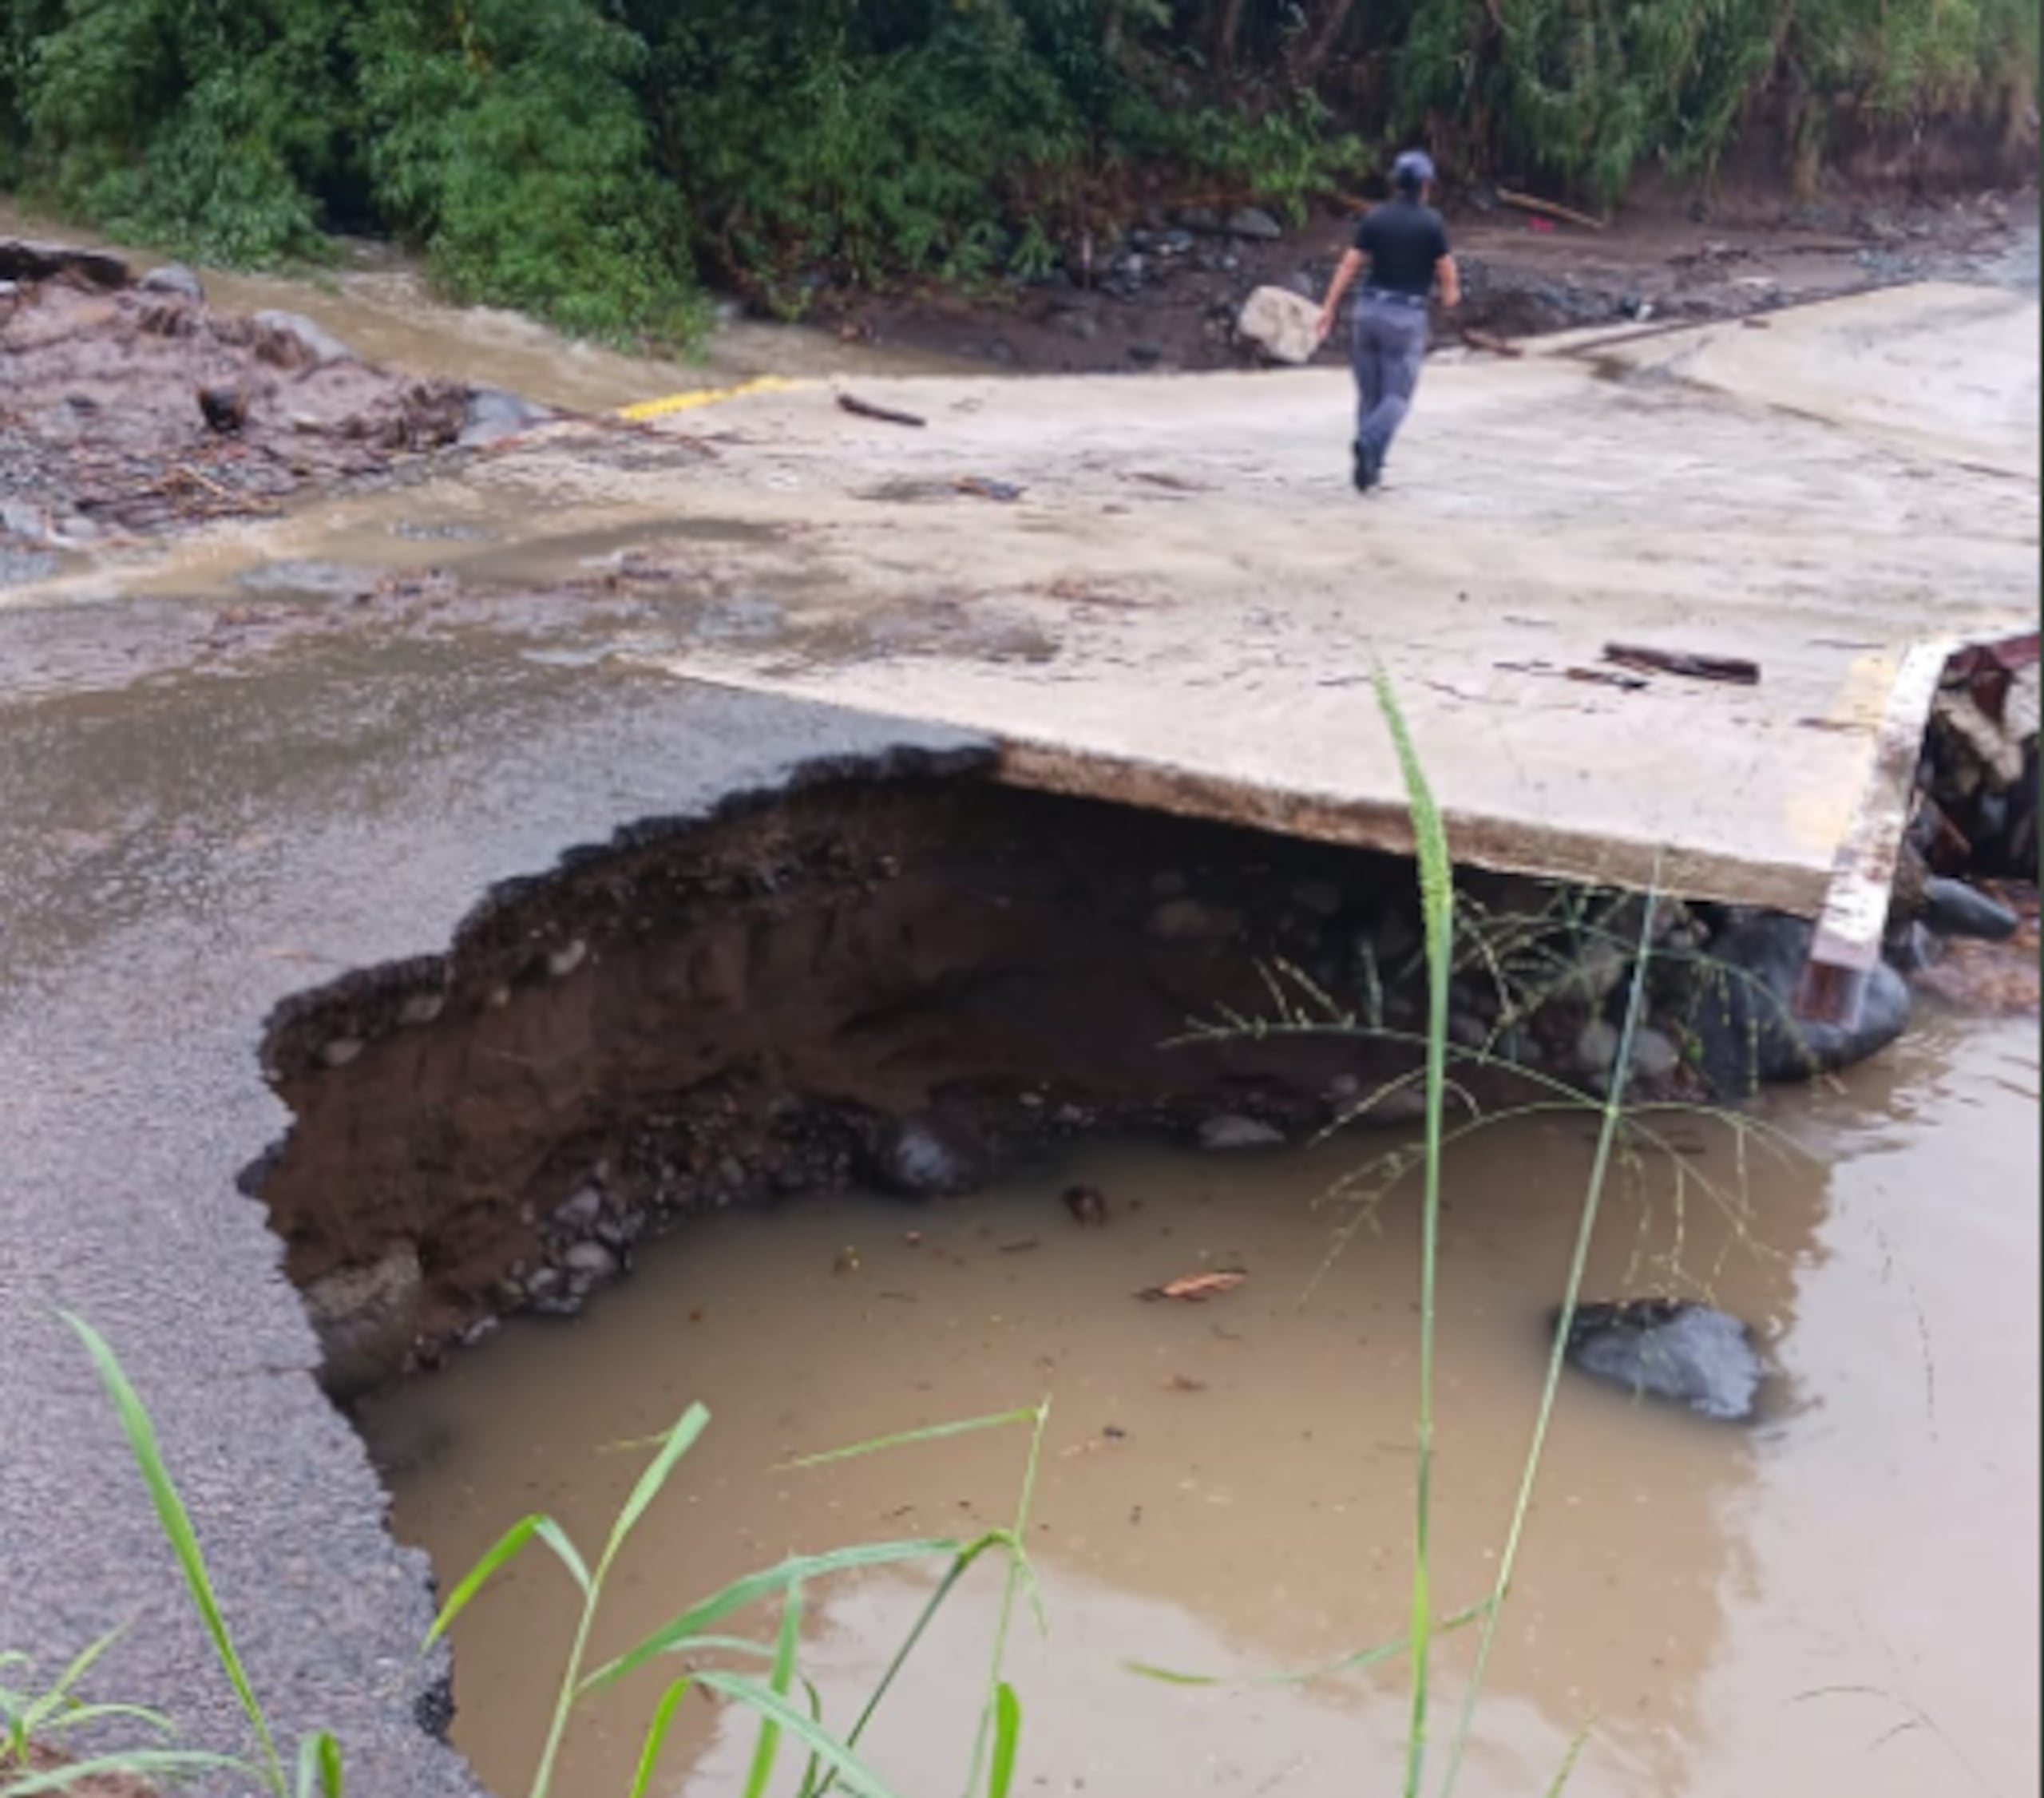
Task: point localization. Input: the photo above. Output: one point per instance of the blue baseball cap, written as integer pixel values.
(1412, 168)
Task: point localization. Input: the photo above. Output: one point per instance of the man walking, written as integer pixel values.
(1406, 246)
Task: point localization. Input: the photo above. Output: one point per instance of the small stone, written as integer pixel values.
(577, 1213)
(543, 1281)
(1597, 1048)
(341, 1051)
(421, 1007)
(593, 1262)
(492, 415)
(566, 1304)
(366, 1320)
(497, 998)
(1596, 976)
(1146, 355)
(928, 1157)
(1194, 920)
(176, 280)
(1654, 1057)
(1253, 223)
(482, 1327)
(563, 961)
(1231, 1131)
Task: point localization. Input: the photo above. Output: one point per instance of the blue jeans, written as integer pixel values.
(1387, 342)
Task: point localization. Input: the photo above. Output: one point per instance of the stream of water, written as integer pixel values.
(1842, 1597)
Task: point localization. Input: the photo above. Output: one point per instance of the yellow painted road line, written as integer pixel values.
(707, 396)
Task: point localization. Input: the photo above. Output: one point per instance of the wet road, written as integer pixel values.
(184, 840)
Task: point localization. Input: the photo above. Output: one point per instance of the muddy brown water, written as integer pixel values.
(1843, 1597)
(379, 304)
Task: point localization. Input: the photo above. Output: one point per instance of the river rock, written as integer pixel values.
(1256, 224)
(174, 281)
(1960, 910)
(1230, 1131)
(366, 1320)
(492, 414)
(1597, 1048)
(1194, 920)
(577, 1214)
(1654, 1057)
(297, 340)
(1283, 325)
(1742, 1016)
(590, 1263)
(928, 1157)
(1670, 1349)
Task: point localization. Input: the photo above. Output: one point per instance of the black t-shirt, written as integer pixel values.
(1403, 239)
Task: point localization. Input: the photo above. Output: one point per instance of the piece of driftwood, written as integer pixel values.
(1548, 209)
(1488, 340)
(887, 415)
(1733, 668)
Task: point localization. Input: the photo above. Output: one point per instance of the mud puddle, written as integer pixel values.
(1842, 1597)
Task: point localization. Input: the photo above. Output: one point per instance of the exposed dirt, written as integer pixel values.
(42, 1760)
(754, 1007)
(1166, 294)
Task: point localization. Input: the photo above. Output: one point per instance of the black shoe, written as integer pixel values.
(1366, 469)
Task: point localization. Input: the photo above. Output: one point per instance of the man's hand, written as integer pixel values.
(1327, 314)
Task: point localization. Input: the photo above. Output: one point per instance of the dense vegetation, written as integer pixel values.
(588, 158)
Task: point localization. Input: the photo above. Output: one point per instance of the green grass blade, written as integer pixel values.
(750, 1588)
(38, 1713)
(935, 1432)
(952, 1575)
(656, 1735)
(768, 1747)
(1586, 1230)
(677, 1442)
(1019, 1574)
(505, 1549)
(1566, 1771)
(163, 1762)
(176, 1522)
(1349, 1663)
(853, 1773)
(78, 1716)
(1437, 903)
(564, 1552)
(319, 1766)
(1007, 1735)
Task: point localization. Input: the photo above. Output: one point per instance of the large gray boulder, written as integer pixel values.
(1670, 1349)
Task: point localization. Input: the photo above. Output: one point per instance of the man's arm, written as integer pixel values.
(1450, 278)
(1344, 271)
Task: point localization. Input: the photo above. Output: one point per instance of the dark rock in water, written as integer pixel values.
(927, 1157)
(175, 281)
(1743, 1014)
(1670, 1349)
(1960, 910)
(492, 414)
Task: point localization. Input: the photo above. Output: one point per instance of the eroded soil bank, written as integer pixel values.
(914, 986)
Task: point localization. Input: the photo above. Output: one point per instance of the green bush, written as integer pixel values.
(507, 138)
